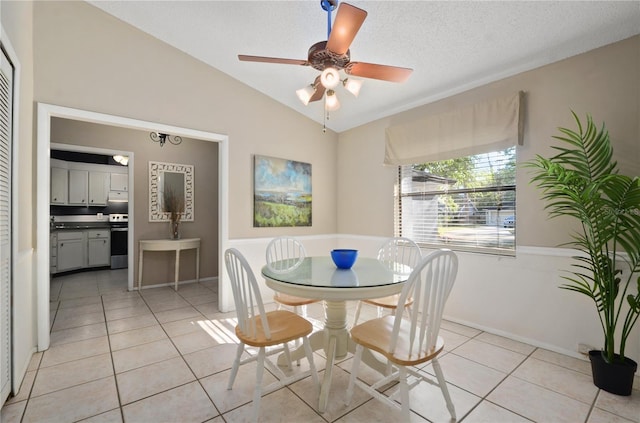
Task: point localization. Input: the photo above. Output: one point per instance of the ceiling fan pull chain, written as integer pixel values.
(326, 117)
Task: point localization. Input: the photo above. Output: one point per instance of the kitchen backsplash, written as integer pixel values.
(71, 210)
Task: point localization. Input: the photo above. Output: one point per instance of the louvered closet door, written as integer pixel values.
(6, 103)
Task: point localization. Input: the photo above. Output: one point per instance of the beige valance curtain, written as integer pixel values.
(475, 129)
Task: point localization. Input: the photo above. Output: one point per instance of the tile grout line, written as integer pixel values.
(37, 371)
(180, 354)
(113, 366)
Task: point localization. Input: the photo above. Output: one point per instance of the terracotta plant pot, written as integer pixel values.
(616, 377)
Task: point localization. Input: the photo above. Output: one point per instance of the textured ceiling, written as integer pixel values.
(451, 45)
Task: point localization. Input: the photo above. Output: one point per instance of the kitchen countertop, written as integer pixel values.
(80, 225)
(77, 222)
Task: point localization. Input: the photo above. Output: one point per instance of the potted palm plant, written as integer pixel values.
(582, 182)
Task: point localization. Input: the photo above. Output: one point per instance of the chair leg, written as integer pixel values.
(257, 393)
(354, 372)
(443, 387)
(236, 365)
(312, 366)
(404, 393)
(407, 311)
(355, 320)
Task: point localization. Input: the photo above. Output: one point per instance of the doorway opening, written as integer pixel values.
(46, 113)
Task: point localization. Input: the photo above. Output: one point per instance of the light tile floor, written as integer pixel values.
(164, 356)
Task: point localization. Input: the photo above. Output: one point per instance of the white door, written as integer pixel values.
(6, 104)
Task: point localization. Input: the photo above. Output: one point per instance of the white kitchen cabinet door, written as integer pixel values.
(71, 253)
(98, 188)
(119, 182)
(78, 187)
(59, 185)
(99, 247)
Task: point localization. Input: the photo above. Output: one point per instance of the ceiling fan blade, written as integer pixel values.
(319, 90)
(382, 72)
(245, 58)
(348, 21)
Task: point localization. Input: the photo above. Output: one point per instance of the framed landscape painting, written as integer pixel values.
(282, 192)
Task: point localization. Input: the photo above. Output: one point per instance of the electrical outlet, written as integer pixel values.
(584, 348)
(100, 215)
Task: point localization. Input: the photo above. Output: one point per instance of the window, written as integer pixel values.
(467, 203)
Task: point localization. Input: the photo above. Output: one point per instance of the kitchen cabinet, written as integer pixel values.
(79, 249)
(119, 182)
(72, 249)
(118, 190)
(53, 252)
(99, 247)
(98, 188)
(87, 184)
(78, 187)
(59, 185)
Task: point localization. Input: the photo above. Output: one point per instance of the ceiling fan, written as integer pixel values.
(334, 55)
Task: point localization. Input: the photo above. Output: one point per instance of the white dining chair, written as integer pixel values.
(395, 251)
(261, 329)
(284, 254)
(408, 342)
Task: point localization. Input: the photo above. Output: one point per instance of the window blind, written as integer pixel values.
(466, 203)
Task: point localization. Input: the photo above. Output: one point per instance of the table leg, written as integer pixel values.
(140, 261)
(336, 342)
(175, 286)
(328, 371)
(198, 264)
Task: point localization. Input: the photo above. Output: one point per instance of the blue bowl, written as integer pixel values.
(344, 259)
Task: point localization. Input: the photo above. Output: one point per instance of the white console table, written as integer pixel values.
(176, 245)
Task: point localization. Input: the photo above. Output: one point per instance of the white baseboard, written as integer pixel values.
(180, 283)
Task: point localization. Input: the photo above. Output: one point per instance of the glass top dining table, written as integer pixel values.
(319, 278)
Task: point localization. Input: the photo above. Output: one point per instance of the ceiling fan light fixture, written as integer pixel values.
(304, 94)
(123, 160)
(330, 78)
(331, 102)
(352, 85)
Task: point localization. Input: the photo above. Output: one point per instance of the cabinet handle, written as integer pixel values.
(104, 241)
(61, 244)
(92, 201)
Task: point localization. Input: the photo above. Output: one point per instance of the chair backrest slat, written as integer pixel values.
(430, 284)
(246, 294)
(284, 253)
(399, 250)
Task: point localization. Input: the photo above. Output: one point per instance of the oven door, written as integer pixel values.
(119, 243)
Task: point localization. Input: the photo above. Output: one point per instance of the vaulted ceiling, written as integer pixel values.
(451, 45)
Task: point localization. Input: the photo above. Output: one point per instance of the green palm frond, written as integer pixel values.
(582, 182)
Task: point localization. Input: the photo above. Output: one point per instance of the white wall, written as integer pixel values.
(518, 297)
(16, 19)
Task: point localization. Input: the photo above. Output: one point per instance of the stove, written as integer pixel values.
(119, 240)
(119, 218)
